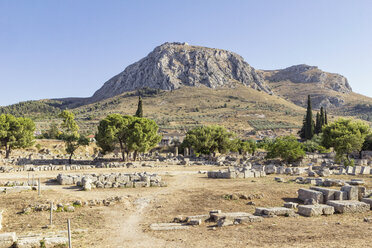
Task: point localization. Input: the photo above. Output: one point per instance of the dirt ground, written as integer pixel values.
(126, 224)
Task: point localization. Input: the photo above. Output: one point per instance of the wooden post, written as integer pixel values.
(39, 187)
(51, 214)
(69, 233)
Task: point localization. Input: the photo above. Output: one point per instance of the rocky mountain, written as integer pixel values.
(174, 65)
(296, 82)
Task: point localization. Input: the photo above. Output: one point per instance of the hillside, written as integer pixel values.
(239, 108)
(185, 86)
(329, 90)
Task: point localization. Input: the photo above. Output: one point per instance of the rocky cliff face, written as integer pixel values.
(310, 74)
(173, 65)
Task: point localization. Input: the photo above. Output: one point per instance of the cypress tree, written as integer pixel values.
(318, 124)
(139, 112)
(309, 124)
(322, 117)
(325, 118)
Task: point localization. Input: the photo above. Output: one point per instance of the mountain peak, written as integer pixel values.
(310, 74)
(174, 64)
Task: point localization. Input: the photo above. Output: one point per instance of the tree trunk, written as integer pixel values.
(122, 150)
(360, 154)
(127, 152)
(70, 158)
(7, 151)
(135, 156)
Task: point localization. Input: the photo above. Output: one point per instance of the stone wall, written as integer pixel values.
(112, 180)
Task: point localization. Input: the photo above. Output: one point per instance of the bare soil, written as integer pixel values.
(188, 193)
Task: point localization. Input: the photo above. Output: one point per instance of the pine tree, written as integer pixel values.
(309, 126)
(318, 124)
(139, 112)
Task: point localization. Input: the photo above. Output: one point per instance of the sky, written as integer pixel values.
(70, 48)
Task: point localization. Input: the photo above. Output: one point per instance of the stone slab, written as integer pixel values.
(349, 206)
(7, 239)
(304, 194)
(368, 201)
(168, 226)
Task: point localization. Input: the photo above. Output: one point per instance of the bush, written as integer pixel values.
(287, 148)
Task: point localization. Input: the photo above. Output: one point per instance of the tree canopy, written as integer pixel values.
(132, 134)
(287, 148)
(15, 133)
(70, 134)
(209, 139)
(345, 136)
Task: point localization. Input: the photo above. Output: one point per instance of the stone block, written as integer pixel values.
(232, 215)
(7, 239)
(168, 226)
(340, 195)
(310, 210)
(1, 219)
(368, 201)
(349, 206)
(291, 205)
(275, 211)
(304, 194)
(248, 219)
(328, 194)
(352, 192)
(315, 210)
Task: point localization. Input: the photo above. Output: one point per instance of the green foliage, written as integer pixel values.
(210, 139)
(139, 112)
(265, 143)
(345, 136)
(142, 135)
(315, 144)
(42, 243)
(130, 133)
(265, 125)
(287, 148)
(367, 145)
(70, 134)
(321, 120)
(308, 127)
(30, 109)
(16, 132)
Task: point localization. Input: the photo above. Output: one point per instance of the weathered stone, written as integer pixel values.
(315, 210)
(232, 215)
(275, 211)
(352, 192)
(368, 201)
(7, 239)
(194, 222)
(291, 205)
(328, 194)
(304, 194)
(168, 226)
(1, 218)
(349, 206)
(248, 219)
(225, 222)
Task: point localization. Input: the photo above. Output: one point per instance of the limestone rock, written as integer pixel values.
(349, 206)
(174, 65)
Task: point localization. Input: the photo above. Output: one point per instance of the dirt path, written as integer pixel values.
(127, 228)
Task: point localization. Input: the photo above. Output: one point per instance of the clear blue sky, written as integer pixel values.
(65, 48)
